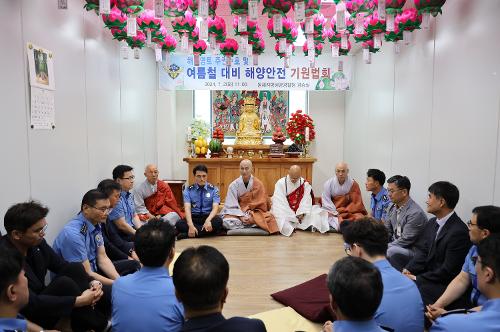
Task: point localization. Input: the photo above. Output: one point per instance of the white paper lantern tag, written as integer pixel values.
(312, 59)
(344, 42)
(310, 42)
(407, 37)
(367, 56)
(381, 10)
(244, 45)
(277, 24)
(253, 8)
(148, 37)
(242, 23)
(212, 42)
(340, 17)
(377, 40)
(359, 27)
(390, 22)
(203, 9)
(190, 47)
(137, 53)
(397, 47)
(282, 45)
(335, 50)
(167, 59)
(286, 62)
(426, 17)
(158, 54)
(159, 8)
(255, 59)
(196, 60)
(204, 29)
(104, 7)
(289, 50)
(184, 43)
(124, 50)
(309, 25)
(131, 26)
(228, 60)
(300, 11)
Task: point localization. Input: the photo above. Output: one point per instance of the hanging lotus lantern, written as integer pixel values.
(283, 54)
(115, 19)
(276, 7)
(239, 7)
(394, 36)
(342, 51)
(356, 7)
(119, 34)
(158, 36)
(130, 7)
(375, 26)
(370, 46)
(256, 36)
(216, 31)
(392, 8)
(313, 7)
(184, 25)
(194, 5)
(194, 35)
(148, 23)
(229, 48)
(318, 49)
(199, 48)
(287, 25)
(250, 28)
(408, 21)
(94, 5)
(319, 21)
(349, 25)
(175, 8)
(429, 6)
(137, 41)
(169, 44)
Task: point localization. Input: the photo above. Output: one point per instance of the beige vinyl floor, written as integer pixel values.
(261, 265)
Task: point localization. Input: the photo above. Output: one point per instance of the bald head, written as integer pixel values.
(342, 171)
(294, 173)
(246, 169)
(151, 173)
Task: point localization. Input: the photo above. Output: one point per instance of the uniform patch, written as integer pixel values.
(385, 198)
(207, 195)
(84, 229)
(98, 238)
(210, 185)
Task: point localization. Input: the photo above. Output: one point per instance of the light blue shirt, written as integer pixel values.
(476, 297)
(79, 241)
(124, 209)
(379, 204)
(486, 320)
(201, 198)
(13, 324)
(145, 301)
(356, 326)
(401, 308)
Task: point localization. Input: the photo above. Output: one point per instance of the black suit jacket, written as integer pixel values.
(441, 259)
(39, 260)
(217, 323)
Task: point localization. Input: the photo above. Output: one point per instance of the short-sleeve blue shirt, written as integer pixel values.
(149, 294)
(476, 297)
(358, 326)
(13, 324)
(201, 198)
(124, 208)
(79, 241)
(379, 204)
(401, 308)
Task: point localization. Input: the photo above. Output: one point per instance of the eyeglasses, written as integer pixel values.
(102, 209)
(469, 223)
(43, 230)
(129, 178)
(390, 191)
(347, 249)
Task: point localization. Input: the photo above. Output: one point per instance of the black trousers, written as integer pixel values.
(72, 281)
(198, 221)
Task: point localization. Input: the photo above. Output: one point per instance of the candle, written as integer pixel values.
(188, 133)
(307, 134)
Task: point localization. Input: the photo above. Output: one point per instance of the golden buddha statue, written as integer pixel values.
(249, 132)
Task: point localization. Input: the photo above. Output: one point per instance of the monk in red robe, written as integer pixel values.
(342, 197)
(154, 198)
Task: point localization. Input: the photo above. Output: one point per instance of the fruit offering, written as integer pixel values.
(218, 134)
(278, 136)
(200, 146)
(294, 148)
(215, 145)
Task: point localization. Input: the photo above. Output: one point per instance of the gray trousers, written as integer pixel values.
(399, 257)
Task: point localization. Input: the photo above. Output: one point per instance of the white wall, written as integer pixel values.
(105, 108)
(432, 111)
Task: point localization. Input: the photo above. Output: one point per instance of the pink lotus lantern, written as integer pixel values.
(319, 22)
(312, 7)
(373, 24)
(216, 30)
(94, 5)
(394, 36)
(318, 48)
(199, 48)
(194, 36)
(255, 37)
(169, 44)
(287, 24)
(349, 24)
(392, 8)
(148, 22)
(137, 41)
(370, 46)
(175, 8)
(115, 19)
(229, 48)
(292, 37)
(119, 34)
(184, 24)
(356, 7)
(343, 51)
(257, 49)
(409, 20)
(239, 7)
(158, 36)
(283, 54)
(251, 27)
(194, 5)
(273, 7)
(429, 6)
(130, 7)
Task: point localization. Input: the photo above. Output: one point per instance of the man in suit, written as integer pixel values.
(445, 247)
(200, 280)
(405, 222)
(71, 293)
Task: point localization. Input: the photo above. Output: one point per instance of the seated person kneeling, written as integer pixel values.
(149, 294)
(200, 279)
(201, 205)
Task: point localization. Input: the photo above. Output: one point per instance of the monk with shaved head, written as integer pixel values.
(247, 204)
(154, 198)
(342, 197)
(293, 205)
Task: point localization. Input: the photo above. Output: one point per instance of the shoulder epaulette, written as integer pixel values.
(210, 185)
(191, 186)
(385, 198)
(83, 230)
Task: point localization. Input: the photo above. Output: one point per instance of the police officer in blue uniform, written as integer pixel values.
(379, 201)
(201, 205)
